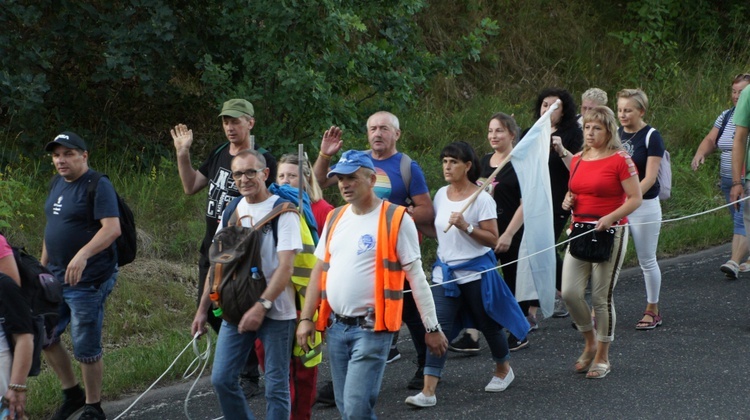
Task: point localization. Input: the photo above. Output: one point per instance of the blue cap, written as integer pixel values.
(350, 161)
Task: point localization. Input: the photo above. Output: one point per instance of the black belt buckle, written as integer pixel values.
(350, 320)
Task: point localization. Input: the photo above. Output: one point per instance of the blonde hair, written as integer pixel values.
(637, 95)
(606, 117)
(310, 182)
(595, 94)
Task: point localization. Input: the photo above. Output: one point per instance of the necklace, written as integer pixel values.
(632, 136)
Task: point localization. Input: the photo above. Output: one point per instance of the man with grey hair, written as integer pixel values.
(401, 181)
(593, 97)
(238, 119)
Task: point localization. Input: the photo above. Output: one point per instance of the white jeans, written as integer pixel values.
(646, 238)
(6, 362)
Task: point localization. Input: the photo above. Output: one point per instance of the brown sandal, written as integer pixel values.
(649, 325)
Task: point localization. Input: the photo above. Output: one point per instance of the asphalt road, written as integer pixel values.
(695, 365)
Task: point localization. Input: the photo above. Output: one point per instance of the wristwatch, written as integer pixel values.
(469, 229)
(564, 153)
(436, 328)
(266, 303)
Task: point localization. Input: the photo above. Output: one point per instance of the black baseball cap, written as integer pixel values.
(68, 139)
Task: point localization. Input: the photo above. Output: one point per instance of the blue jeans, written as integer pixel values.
(83, 309)
(232, 349)
(739, 224)
(357, 358)
(448, 308)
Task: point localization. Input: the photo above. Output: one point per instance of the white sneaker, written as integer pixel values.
(731, 269)
(500, 384)
(420, 400)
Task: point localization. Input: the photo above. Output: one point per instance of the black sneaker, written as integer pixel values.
(417, 382)
(70, 406)
(325, 394)
(515, 344)
(91, 413)
(250, 386)
(465, 344)
(393, 355)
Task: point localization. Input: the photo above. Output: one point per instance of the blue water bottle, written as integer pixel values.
(254, 273)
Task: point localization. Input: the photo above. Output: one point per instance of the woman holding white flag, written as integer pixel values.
(465, 271)
(603, 191)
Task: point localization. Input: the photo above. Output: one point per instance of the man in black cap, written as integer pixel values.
(82, 256)
(238, 118)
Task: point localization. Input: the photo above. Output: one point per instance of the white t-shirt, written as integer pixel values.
(350, 285)
(289, 239)
(456, 246)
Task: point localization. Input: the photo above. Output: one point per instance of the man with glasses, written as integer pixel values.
(237, 117)
(272, 317)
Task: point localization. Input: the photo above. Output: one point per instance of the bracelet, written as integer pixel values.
(324, 156)
(737, 183)
(305, 319)
(17, 387)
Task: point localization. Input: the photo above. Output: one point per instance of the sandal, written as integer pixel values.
(649, 325)
(584, 362)
(745, 267)
(599, 371)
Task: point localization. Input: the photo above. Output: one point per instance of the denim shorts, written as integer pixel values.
(83, 309)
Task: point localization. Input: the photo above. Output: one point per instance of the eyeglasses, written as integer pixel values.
(249, 174)
(741, 76)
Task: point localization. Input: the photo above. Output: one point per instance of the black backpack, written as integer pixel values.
(44, 294)
(127, 242)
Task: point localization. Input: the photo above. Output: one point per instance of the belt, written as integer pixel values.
(349, 320)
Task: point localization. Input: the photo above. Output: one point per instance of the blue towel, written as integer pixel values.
(290, 193)
(499, 302)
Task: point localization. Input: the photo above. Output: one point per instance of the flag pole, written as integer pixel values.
(301, 179)
(476, 193)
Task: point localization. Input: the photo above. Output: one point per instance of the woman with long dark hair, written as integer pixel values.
(567, 140)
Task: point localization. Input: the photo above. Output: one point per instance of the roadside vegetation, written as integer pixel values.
(466, 61)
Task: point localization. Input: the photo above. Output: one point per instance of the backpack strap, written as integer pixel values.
(230, 210)
(91, 199)
(727, 116)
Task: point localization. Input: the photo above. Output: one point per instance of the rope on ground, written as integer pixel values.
(199, 356)
(677, 219)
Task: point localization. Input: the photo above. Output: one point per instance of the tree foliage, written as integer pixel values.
(126, 70)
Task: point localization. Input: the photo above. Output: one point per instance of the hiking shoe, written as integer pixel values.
(393, 355)
(325, 394)
(500, 384)
(421, 401)
(731, 269)
(70, 407)
(515, 344)
(561, 311)
(533, 324)
(465, 344)
(250, 386)
(91, 413)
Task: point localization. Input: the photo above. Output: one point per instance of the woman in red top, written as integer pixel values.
(603, 190)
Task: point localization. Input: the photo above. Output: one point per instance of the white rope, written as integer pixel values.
(193, 343)
(677, 219)
(197, 361)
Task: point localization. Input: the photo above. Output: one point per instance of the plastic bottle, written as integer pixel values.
(254, 273)
(218, 312)
(369, 318)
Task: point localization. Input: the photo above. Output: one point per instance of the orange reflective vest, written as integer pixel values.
(389, 278)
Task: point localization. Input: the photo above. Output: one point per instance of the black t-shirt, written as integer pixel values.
(506, 191)
(15, 312)
(221, 187)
